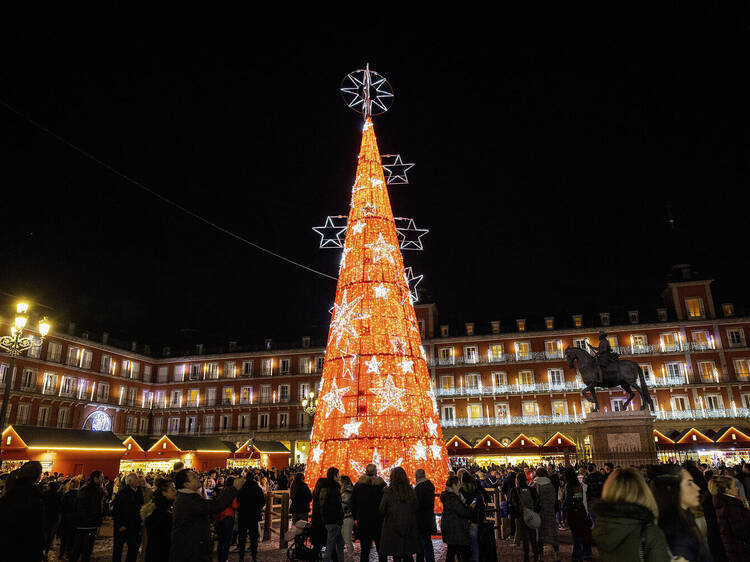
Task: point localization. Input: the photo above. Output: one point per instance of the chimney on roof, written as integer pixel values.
(71, 328)
(199, 349)
(232, 346)
(105, 338)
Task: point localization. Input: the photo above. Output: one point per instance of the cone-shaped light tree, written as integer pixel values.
(377, 404)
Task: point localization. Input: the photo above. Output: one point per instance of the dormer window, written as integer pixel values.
(633, 316)
(549, 322)
(661, 314)
(521, 324)
(469, 328)
(694, 307)
(604, 318)
(495, 326)
(444, 330)
(728, 309)
(578, 320)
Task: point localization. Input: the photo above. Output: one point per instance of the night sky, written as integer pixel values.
(547, 165)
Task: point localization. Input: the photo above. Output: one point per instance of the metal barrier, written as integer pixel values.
(276, 517)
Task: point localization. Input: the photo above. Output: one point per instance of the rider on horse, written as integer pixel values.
(604, 355)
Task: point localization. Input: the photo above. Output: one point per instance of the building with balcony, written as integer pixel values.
(512, 386)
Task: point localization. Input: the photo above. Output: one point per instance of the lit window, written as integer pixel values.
(470, 329)
(521, 323)
(444, 331)
(694, 306)
(549, 322)
(728, 309)
(577, 320)
(633, 316)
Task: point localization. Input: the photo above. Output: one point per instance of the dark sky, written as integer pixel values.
(545, 162)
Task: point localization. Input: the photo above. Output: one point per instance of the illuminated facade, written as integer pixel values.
(503, 381)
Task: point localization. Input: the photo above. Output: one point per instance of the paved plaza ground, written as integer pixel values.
(269, 551)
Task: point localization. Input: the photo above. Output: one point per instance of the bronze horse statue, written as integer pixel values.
(627, 375)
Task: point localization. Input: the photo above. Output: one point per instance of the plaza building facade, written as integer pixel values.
(504, 393)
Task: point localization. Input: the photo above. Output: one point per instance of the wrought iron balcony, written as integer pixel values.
(511, 420)
(703, 414)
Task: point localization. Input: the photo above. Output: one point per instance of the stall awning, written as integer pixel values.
(192, 443)
(32, 437)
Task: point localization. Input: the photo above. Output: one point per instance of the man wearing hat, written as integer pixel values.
(604, 355)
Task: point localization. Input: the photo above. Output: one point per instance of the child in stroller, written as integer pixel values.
(301, 549)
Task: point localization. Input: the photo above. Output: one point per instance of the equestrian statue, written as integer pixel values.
(605, 369)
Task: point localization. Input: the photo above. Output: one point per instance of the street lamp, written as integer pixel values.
(310, 403)
(15, 344)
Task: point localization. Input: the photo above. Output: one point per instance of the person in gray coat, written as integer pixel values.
(191, 536)
(547, 532)
(399, 537)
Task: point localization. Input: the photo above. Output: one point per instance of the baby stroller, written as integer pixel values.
(300, 549)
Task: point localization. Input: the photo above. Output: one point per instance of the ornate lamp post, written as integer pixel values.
(310, 403)
(15, 344)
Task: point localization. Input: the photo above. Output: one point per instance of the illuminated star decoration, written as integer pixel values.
(344, 315)
(381, 250)
(351, 428)
(384, 473)
(343, 256)
(399, 346)
(431, 396)
(331, 232)
(381, 291)
(396, 169)
(435, 448)
(358, 227)
(333, 398)
(412, 281)
(420, 452)
(390, 395)
(373, 365)
(316, 452)
(348, 364)
(407, 365)
(432, 427)
(365, 90)
(410, 237)
(369, 210)
(375, 182)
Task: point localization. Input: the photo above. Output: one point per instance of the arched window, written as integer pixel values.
(98, 421)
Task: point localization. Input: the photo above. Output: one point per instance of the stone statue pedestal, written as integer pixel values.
(624, 438)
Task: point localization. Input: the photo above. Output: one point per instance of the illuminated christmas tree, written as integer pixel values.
(376, 402)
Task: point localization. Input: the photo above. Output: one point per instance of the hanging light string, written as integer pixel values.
(156, 193)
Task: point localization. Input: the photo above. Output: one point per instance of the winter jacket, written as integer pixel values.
(734, 527)
(470, 492)
(331, 509)
(594, 482)
(191, 537)
(619, 529)
(346, 501)
(425, 492)
(301, 498)
(157, 518)
(252, 501)
(713, 536)
(509, 482)
(454, 525)
(399, 536)
(682, 542)
(547, 497)
(89, 510)
(368, 491)
(126, 509)
(21, 519)
(523, 497)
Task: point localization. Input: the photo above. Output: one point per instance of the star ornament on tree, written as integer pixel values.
(333, 398)
(317, 452)
(348, 364)
(381, 250)
(420, 452)
(436, 449)
(332, 232)
(384, 473)
(432, 427)
(381, 291)
(410, 237)
(373, 365)
(344, 316)
(390, 395)
(407, 365)
(431, 396)
(396, 169)
(358, 227)
(351, 428)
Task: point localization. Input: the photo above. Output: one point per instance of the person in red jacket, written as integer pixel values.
(733, 516)
(225, 526)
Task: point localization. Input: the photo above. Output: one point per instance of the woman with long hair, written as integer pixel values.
(626, 520)
(157, 519)
(521, 498)
(705, 515)
(733, 518)
(347, 490)
(301, 497)
(676, 493)
(399, 537)
(318, 528)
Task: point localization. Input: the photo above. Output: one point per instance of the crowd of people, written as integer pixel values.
(662, 512)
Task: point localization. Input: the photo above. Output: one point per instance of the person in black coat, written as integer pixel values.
(252, 501)
(332, 514)
(425, 491)
(454, 524)
(67, 519)
(191, 533)
(88, 516)
(22, 515)
(52, 500)
(157, 520)
(368, 491)
(301, 497)
(126, 519)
